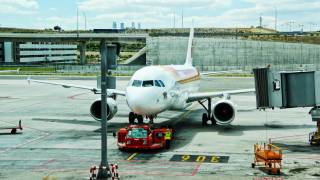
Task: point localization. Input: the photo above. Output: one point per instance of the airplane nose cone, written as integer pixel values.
(144, 101)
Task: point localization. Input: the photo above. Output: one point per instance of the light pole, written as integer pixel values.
(85, 21)
(104, 171)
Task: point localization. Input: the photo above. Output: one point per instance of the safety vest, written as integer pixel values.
(167, 135)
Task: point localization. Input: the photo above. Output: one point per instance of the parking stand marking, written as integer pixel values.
(200, 158)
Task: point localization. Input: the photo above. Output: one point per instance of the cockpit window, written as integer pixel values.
(148, 83)
(157, 83)
(162, 84)
(136, 83)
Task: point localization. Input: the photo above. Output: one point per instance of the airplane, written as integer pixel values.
(11, 71)
(158, 88)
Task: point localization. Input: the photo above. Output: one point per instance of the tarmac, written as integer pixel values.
(60, 140)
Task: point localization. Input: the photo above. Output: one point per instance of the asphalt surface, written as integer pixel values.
(60, 140)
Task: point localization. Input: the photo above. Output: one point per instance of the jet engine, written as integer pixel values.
(95, 109)
(224, 112)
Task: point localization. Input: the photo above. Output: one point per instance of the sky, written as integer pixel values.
(41, 14)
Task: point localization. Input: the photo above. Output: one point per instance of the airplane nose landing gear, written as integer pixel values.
(133, 116)
(151, 117)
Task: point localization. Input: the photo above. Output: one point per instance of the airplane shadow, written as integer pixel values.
(190, 124)
(305, 148)
(8, 133)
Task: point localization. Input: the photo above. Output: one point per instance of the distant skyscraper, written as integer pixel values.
(122, 25)
(139, 25)
(114, 25)
(133, 25)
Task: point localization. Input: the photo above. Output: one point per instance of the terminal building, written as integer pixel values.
(14, 52)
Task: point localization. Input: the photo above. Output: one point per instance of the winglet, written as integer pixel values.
(18, 70)
(189, 54)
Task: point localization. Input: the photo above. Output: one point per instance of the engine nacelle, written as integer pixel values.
(224, 112)
(95, 109)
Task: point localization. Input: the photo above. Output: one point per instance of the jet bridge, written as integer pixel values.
(286, 89)
(290, 90)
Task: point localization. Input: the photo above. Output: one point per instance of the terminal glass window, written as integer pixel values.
(148, 83)
(137, 133)
(137, 83)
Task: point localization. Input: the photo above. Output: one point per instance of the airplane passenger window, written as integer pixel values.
(137, 83)
(162, 84)
(157, 83)
(148, 83)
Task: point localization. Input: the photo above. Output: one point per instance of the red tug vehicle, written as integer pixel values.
(145, 137)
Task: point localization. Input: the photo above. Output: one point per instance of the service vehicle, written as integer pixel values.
(269, 156)
(144, 137)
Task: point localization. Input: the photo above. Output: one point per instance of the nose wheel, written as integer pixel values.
(150, 119)
(208, 115)
(140, 119)
(133, 117)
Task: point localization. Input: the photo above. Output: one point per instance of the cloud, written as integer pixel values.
(160, 13)
(150, 13)
(300, 12)
(63, 22)
(18, 6)
(111, 5)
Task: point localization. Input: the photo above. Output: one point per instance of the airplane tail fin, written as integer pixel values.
(189, 54)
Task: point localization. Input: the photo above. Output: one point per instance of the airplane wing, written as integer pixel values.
(204, 95)
(94, 90)
(220, 72)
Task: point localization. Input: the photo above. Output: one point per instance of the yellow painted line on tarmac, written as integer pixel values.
(132, 156)
(185, 114)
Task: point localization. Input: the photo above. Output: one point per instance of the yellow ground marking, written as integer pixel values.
(132, 156)
(185, 114)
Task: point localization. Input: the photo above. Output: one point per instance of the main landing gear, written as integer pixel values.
(207, 116)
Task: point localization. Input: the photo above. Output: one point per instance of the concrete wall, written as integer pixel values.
(224, 54)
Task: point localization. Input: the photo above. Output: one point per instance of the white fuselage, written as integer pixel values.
(154, 89)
